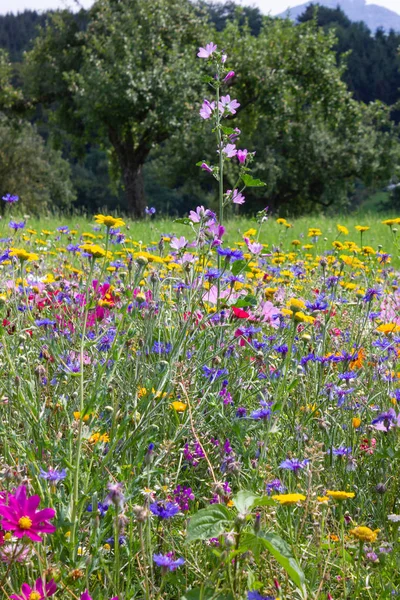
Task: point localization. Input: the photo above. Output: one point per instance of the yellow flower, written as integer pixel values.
(390, 222)
(250, 232)
(284, 499)
(338, 245)
(179, 406)
(303, 318)
(95, 251)
(109, 221)
(365, 534)
(23, 255)
(338, 495)
(323, 499)
(296, 243)
(281, 221)
(295, 303)
(368, 250)
(388, 328)
(77, 416)
(342, 229)
(361, 228)
(356, 422)
(314, 232)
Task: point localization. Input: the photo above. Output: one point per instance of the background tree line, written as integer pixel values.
(101, 107)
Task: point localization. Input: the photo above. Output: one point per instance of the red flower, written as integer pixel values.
(239, 313)
(21, 517)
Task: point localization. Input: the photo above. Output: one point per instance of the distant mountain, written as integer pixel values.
(374, 16)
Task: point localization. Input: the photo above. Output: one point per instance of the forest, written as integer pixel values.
(100, 108)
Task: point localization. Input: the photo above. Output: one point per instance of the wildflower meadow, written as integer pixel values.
(209, 415)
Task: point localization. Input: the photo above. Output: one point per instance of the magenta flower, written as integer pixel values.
(205, 167)
(207, 51)
(237, 197)
(254, 247)
(227, 104)
(21, 517)
(228, 76)
(86, 596)
(242, 155)
(38, 592)
(200, 214)
(206, 109)
(230, 150)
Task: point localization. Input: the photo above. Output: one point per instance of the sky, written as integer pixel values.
(267, 6)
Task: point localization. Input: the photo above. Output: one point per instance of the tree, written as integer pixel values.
(129, 79)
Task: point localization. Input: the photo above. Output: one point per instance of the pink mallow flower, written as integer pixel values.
(178, 244)
(21, 517)
(228, 76)
(207, 51)
(205, 167)
(230, 150)
(254, 247)
(206, 109)
(38, 592)
(237, 197)
(242, 155)
(227, 104)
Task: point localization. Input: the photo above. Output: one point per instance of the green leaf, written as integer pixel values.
(245, 501)
(283, 555)
(227, 130)
(247, 301)
(249, 181)
(240, 266)
(209, 522)
(184, 221)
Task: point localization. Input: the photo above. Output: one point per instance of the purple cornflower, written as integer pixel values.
(294, 464)
(207, 51)
(44, 322)
(53, 475)
(150, 211)
(15, 225)
(385, 420)
(230, 254)
(262, 413)
(241, 412)
(167, 561)
(206, 109)
(275, 486)
(182, 496)
(255, 595)
(372, 293)
(10, 198)
(164, 510)
(341, 451)
(5, 256)
(102, 508)
(213, 374)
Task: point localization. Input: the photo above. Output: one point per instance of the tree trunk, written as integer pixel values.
(134, 189)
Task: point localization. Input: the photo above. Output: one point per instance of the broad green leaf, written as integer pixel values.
(209, 522)
(249, 181)
(246, 301)
(245, 501)
(227, 130)
(283, 555)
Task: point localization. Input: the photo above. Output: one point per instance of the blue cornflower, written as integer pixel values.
(230, 254)
(15, 225)
(53, 475)
(348, 376)
(10, 198)
(385, 417)
(282, 349)
(73, 248)
(5, 256)
(275, 486)
(341, 451)
(212, 274)
(319, 304)
(255, 595)
(63, 229)
(161, 348)
(294, 464)
(44, 322)
(213, 374)
(106, 341)
(121, 540)
(150, 211)
(167, 561)
(262, 413)
(102, 508)
(164, 510)
(372, 293)
(241, 412)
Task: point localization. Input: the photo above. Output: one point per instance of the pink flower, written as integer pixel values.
(205, 167)
(242, 155)
(254, 247)
(228, 104)
(178, 244)
(230, 150)
(228, 76)
(237, 197)
(85, 596)
(206, 109)
(270, 314)
(38, 592)
(21, 517)
(207, 51)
